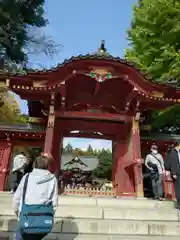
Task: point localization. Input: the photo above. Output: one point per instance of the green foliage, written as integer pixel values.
(154, 35)
(155, 48)
(23, 118)
(90, 150)
(104, 169)
(20, 21)
(167, 121)
(68, 149)
(9, 110)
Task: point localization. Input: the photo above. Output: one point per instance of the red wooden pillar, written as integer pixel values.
(122, 170)
(114, 157)
(137, 160)
(56, 148)
(5, 154)
(48, 144)
(49, 131)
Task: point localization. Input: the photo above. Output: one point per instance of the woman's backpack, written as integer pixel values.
(35, 219)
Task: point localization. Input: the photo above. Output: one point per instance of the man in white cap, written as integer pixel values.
(155, 163)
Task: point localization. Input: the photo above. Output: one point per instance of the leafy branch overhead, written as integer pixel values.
(20, 24)
(155, 47)
(154, 38)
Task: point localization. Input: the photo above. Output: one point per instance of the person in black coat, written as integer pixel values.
(172, 164)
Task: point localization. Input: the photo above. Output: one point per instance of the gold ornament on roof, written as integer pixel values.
(157, 94)
(102, 50)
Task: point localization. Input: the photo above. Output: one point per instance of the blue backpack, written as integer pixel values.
(35, 219)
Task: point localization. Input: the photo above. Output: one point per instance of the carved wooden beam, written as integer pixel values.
(63, 94)
(130, 98)
(93, 116)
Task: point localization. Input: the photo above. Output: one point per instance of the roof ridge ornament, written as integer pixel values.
(102, 50)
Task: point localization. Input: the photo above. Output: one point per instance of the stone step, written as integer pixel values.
(11, 236)
(103, 202)
(90, 212)
(103, 227)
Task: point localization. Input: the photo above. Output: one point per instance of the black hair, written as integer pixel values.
(177, 143)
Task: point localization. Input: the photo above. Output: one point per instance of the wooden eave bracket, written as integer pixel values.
(130, 98)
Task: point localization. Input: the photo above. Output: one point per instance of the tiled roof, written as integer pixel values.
(89, 161)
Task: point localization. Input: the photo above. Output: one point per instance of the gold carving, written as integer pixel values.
(39, 83)
(35, 120)
(100, 71)
(135, 125)
(145, 127)
(51, 110)
(157, 94)
(51, 121)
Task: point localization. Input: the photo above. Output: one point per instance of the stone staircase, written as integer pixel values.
(83, 218)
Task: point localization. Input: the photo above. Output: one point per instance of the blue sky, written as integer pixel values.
(79, 26)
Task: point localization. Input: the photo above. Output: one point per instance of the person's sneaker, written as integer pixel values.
(12, 191)
(161, 199)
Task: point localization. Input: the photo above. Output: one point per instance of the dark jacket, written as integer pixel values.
(28, 167)
(172, 162)
(153, 166)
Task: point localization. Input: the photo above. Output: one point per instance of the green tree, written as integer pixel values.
(20, 21)
(20, 36)
(9, 109)
(155, 48)
(104, 169)
(153, 36)
(68, 149)
(90, 150)
(78, 152)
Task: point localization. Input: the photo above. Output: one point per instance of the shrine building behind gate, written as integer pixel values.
(97, 95)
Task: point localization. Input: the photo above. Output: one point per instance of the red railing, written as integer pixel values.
(169, 187)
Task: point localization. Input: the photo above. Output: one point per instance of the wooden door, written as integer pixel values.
(5, 153)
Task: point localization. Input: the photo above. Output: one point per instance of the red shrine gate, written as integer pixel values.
(99, 95)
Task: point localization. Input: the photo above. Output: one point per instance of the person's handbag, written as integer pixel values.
(35, 219)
